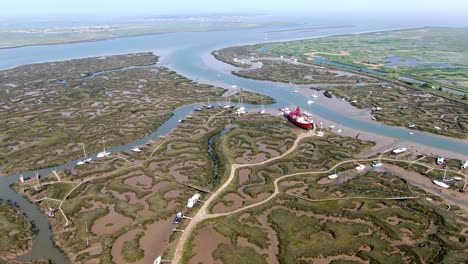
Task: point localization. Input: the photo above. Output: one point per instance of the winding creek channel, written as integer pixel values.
(189, 54)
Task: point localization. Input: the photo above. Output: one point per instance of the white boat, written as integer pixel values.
(178, 217)
(227, 103)
(441, 184)
(411, 133)
(332, 126)
(240, 110)
(240, 107)
(157, 260)
(295, 91)
(209, 106)
(457, 178)
(262, 109)
(86, 159)
(399, 150)
(340, 130)
(320, 134)
(438, 128)
(193, 200)
(440, 160)
(333, 176)
(465, 165)
(104, 153)
(314, 96)
(376, 164)
(310, 102)
(360, 167)
(354, 101)
(136, 149)
(411, 125)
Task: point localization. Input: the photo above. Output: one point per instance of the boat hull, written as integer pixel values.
(441, 184)
(299, 124)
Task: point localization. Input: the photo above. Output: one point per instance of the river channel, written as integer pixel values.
(189, 54)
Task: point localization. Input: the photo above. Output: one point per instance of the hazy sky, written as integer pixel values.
(156, 7)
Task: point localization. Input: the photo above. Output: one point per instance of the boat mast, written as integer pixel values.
(84, 151)
(104, 144)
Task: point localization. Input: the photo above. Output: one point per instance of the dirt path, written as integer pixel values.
(202, 213)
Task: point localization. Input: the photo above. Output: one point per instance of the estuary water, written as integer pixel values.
(189, 54)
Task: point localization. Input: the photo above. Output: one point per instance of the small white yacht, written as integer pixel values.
(86, 159)
(104, 153)
(441, 184)
(465, 165)
(399, 150)
(136, 149)
(333, 176)
(157, 260)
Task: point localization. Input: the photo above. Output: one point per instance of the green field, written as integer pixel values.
(441, 45)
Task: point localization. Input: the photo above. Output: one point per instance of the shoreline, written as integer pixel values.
(137, 35)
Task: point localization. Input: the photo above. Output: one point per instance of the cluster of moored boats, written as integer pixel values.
(439, 161)
(102, 154)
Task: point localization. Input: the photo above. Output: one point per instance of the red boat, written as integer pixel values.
(298, 119)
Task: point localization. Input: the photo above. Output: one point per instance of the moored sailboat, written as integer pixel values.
(104, 153)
